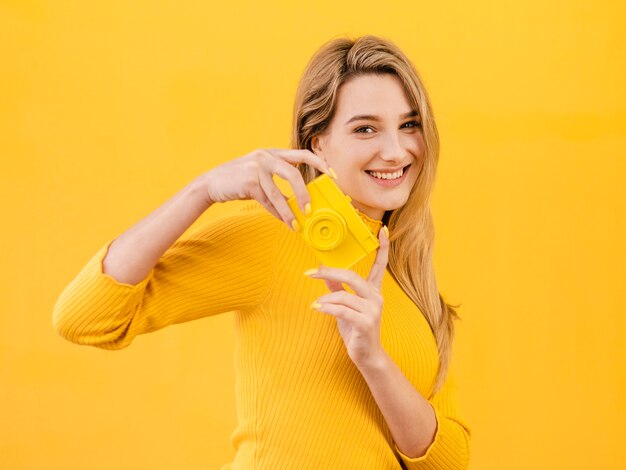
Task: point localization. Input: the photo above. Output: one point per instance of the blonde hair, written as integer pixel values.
(411, 226)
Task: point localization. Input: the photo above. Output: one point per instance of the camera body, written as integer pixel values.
(334, 229)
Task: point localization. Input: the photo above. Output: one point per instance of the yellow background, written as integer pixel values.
(108, 108)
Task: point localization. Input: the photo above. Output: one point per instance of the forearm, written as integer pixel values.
(135, 252)
(409, 416)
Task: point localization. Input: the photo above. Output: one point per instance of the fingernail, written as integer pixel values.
(310, 272)
(332, 172)
(307, 209)
(295, 225)
(316, 304)
(386, 231)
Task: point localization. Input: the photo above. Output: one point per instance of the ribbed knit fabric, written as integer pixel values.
(301, 402)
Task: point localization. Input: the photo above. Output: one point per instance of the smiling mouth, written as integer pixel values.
(388, 176)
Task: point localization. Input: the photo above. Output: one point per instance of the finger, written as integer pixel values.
(382, 257)
(260, 196)
(294, 177)
(343, 297)
(340, 311)
(350, 278)
(276, 198)
(334, 286)
(295, 156)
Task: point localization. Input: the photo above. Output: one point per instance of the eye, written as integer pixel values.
(361, 128)
(414, 123)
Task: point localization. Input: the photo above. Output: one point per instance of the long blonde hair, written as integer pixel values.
(411, 226)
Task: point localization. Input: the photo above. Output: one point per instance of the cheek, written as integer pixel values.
(419, 144)
(347, 161)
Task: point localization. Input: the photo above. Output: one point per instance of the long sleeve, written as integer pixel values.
(451, 448)
(301, 401)
(226, 265)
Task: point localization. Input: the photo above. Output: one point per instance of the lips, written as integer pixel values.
(388, 182)
(388, 175)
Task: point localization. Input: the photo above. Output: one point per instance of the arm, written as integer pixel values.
(134, 253)
(428, 434)
(141, 282)
(227, 265)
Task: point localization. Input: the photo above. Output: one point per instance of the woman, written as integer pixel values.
(326, 378)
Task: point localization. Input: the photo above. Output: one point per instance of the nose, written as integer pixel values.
(392, 148)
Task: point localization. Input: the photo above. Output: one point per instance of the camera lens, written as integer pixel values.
(325, 229)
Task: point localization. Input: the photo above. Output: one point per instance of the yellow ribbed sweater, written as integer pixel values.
(301, 402)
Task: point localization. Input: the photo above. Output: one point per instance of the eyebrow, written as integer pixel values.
(371, 117)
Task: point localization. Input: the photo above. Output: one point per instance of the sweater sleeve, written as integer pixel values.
(451, 448)
(226, 265)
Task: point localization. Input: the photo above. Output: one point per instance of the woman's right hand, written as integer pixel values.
(250, 177)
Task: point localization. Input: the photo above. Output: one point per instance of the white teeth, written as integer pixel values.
(387, 176)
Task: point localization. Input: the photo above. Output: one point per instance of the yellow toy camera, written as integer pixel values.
(334, 229)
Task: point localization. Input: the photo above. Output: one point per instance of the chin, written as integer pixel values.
(393, 205)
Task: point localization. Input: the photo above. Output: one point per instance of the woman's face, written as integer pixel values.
(374, 143)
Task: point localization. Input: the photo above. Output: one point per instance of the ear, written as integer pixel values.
(316, 144)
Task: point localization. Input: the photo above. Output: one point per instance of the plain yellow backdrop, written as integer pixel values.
(109, 108)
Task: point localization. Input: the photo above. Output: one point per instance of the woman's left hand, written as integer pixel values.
(358, 315)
